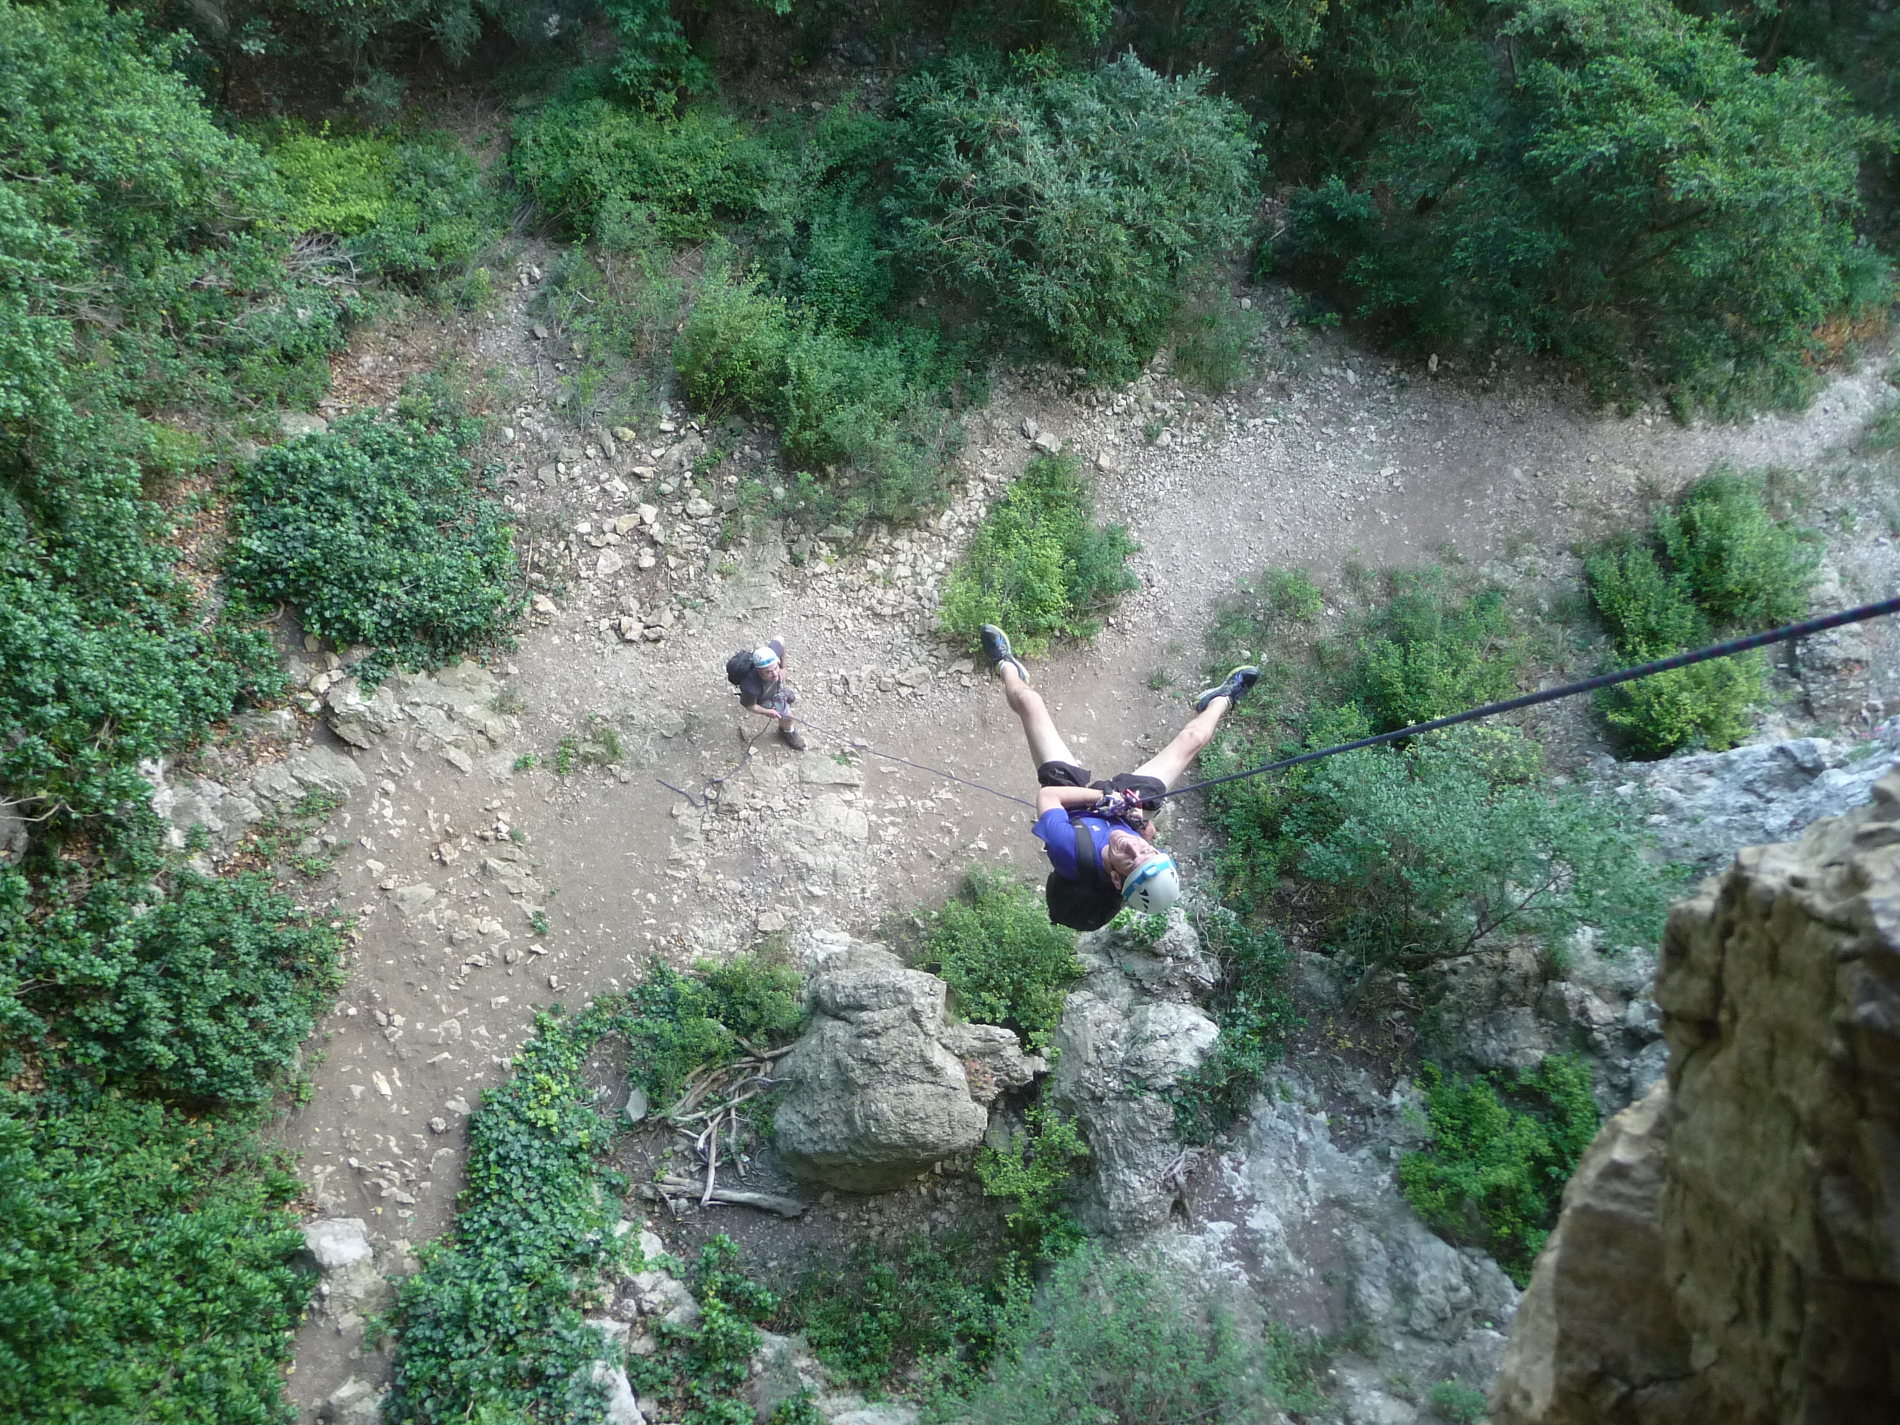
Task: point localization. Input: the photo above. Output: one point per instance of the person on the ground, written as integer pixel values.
(1098, 834)
(760, 678)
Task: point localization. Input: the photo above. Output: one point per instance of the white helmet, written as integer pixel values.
(1152, 886)
(764, 656)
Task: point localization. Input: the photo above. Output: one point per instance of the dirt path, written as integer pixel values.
(1330, 455)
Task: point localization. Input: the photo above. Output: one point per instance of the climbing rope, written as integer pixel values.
(710, 792)
(1859, 614)
(859, 746)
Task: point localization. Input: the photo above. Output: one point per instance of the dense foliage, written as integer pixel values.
(1003, 960)
(1498, 1155)
(1075, 203)
(1714, 564)
(1255, 1013)
(379, 535)
(493, 1320)
(1130, 1341)
(145, 1264)
(1450, 844)
(1040, 567)
(1614, 181)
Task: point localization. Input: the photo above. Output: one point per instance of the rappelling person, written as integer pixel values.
(1098, 834)
(759, 675)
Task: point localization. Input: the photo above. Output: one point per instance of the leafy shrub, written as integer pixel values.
(581, 158)
(1455, 843)
(1072, 203)
(1456, 1402)
(215, 988)
(1494, 1174)
(1001, 957)
(1442, 849)
(1742, 567)
(1211, 336)
(1649, 614)
(1630, 192)
(1255, 1014)
(1130, 1341)
(149, 1267)
(376, 531)
(931, 1310)
(862, 409)
(1039, 566)
(1035, 1172)
(493, 1321)
(1427, 653)
(1704, 706)
(1715, 564)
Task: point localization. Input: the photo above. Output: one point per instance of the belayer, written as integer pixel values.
(1097, 834)
(759, 675)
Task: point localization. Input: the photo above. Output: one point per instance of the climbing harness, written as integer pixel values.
(1859, 614)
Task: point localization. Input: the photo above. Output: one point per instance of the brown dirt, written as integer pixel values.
(1387, 465)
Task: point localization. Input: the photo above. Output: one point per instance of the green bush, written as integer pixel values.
(1705, 706)
(1211, 337)
(1715, 564)
(494, 1320)
(862, 409)
(377, 532)
(1649, 614)
(213, 990)
(1255, 1014)
(1743, 568)
(1131, 1341)
(1456, 1402)
(1445, 848)
(581, 158)
(931, 1310)
(1039, 567)
(1036, 1172)
(1072, 204)
(1629, 191)
(1493, 1174)
(1003, 960)
(1428, 654)
(148, 1271)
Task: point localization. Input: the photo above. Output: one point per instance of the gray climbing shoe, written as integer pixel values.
(791, 737)
(1233, 687)
(996, 650)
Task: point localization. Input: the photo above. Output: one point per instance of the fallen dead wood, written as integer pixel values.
(765, 1201)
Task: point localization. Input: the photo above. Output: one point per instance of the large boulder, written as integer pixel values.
(878, 1089)
(1730, 1249)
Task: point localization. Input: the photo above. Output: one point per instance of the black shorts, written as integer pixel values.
(1148, 790)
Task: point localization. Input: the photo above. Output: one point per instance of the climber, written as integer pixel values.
(759, 675)
(1097, 834)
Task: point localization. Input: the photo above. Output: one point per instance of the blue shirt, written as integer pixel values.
(1052, 829)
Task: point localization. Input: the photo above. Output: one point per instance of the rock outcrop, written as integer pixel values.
(1130, 1032)
(881, 1087)
(1730, 1247)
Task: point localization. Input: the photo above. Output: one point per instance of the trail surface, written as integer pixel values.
(1330, 455)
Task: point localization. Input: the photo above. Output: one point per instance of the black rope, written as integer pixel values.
(714, 786)
(858, 746)
(1859, 614)
(710, 793)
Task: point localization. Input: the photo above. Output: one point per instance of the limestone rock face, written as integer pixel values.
(1129, 1032)
(1730, 1248)
(877, 1088)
